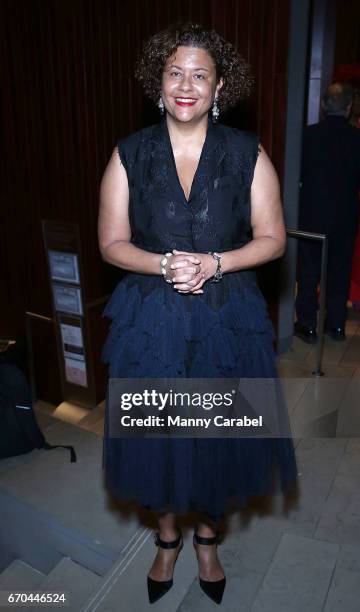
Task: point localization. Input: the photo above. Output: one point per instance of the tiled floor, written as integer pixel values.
(305, 558)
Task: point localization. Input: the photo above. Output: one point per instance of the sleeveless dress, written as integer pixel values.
(225, 332)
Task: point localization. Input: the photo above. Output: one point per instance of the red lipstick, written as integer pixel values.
(182, 102)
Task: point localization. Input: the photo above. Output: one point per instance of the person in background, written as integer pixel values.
(330, 179)
(354, 295)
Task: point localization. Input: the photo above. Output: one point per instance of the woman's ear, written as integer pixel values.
(219, 86)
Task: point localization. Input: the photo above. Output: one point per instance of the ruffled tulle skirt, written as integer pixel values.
(225, 332)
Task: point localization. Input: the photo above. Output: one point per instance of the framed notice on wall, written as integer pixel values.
(67, 299)
(75, 372)
(64, 267)
(73, 349)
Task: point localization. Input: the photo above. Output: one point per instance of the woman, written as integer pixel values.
(176, 206)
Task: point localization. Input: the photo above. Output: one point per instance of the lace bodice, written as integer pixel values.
(217, 214)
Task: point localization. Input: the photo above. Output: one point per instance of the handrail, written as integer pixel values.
(294, 233)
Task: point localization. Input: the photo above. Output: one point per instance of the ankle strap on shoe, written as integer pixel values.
(163, 544)
(201, 540)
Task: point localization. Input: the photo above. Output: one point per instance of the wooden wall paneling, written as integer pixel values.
(247, 109)
(7, 142)
(347, 48)
(54, 99)
(97, 119)
(159, 17)
(120, 82)
(65, 197)
(102, 84)
(7, 211)
(21, 99)
(237, 25)
(128, 91)
(267, 73)
(282, 36)
(236, 117)
(49, 94)
(279, 122)
(14, 178)
(231, 10)
(280, 86)
(137, 43)
(179, 10)
(107, 111)
(198, 13)
(133, 48)
(39, 161)
(99, 138)
(109, 34)
(218, 16)
(85, 155)
(255, 58)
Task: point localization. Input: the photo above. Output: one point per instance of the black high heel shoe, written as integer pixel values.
(158, 588)
(213, 588)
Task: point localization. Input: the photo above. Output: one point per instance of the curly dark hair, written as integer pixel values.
(230, 65)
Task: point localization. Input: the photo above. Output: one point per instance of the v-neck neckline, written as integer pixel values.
(172, 156)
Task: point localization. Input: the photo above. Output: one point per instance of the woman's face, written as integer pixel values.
(189, 84)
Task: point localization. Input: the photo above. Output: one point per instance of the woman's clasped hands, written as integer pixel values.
(189, 271)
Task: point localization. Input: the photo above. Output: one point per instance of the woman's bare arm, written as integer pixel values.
(114, 231)
(269, 235)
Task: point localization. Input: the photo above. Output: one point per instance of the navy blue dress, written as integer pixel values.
(225, 332)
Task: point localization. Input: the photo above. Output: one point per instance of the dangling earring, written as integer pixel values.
(215, 110)
(161, 106)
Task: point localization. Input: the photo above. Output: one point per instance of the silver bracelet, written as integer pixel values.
(163, 264)
(218, 274)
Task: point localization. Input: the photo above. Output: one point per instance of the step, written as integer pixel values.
(6, 557)
(70, 413)
(72, 494)
(21, 576)
(73, 579)
(124, 588)
(41, 540)
(94, 421)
